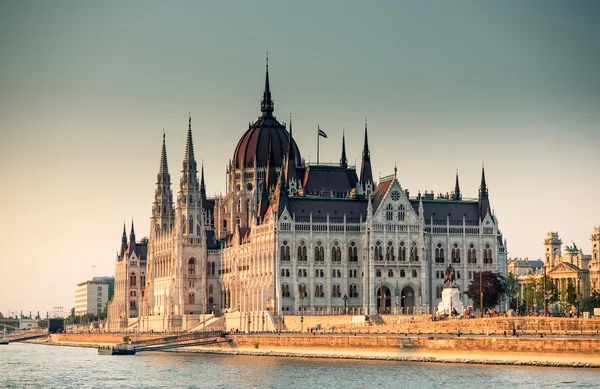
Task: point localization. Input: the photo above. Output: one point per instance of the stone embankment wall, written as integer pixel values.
(455, 344)
(98, 338)
(498, 326)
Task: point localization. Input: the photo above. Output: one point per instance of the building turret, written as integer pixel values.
(484, 201)
(343, 159)
(162, 207)
(290, 165)
(457, 195)
(131, 248)
(203, 198)
(366, 174)
(188, 199)
(123, 242)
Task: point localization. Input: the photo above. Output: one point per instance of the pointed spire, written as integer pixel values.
(290, 164)
(457, 194)
(366, 174)
(132, 234)
(266, 106)
(483, 191)
(344, 160)
(189, 177)
(421, 209)
(123, 241)
(203, 189)
(164, 167)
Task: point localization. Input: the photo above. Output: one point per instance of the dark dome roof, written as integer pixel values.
(255, 144)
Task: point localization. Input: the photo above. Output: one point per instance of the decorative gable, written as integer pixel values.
(392, 204)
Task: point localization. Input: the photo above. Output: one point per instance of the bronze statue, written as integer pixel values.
(449, 277)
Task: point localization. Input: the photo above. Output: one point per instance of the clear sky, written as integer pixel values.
(86, 89)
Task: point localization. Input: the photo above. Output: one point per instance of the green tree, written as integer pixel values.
(493, 288)
(511, 287)
(1, 315)
(529, 293)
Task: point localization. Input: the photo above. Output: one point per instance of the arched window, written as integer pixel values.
(471, 254)
(211, 301)
(191, 298)
(353, 291)
(455, 254)
(389, 212)
(301, 290)
(285, 251)
(319, 252)
(191, 266)
(487, 254)
(191, 223)
(212, 265)
(132, 280)
(389, 252)
(238, 222)
(224, 224)
(319, 291)
(378, 251)
(390, 273)
(401, 213)
(285, 290)
(336, 253)
(210, 289)
(414, 252)
(402, 252)
(439, 254)
(352, 252)
(302, 252)
(336, 291)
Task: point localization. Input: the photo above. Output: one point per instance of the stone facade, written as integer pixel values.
(293, 238)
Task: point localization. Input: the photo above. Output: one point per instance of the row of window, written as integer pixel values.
(471, 254)
(320, 273)
(402, 273)
(400, 212)
(390, 253)
(336, 290)
(192, 299)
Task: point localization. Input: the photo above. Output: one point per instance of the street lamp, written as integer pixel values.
(301, 311)
(345, 304)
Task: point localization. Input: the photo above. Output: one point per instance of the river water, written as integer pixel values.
(40, 366)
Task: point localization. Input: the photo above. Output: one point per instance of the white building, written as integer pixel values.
(90, 297)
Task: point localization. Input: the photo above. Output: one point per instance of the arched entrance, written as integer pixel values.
(407, 300)
(386, 299)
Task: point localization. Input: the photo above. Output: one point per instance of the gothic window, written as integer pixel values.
(378, 251)
(211, 301)
(352, 253)
(395, 195)
(336, 291)
(389, 253)
(285, 290)
(319, 252)
(285, 252)
(238, 222)
(319, 273)
(192, 266)
(302, 273)
(212, 268)
(401, 213)
(132, 280)
(455, 254)
(224, 224)
(301, 290)
(319, 291)
(414, 252)
(487, 254)
(378, 273)
(471, 254)
(438, 291)
(389, 212)
(336, 273)
(439, 254)
(191, 223)
(402, 273)
(301, 251)
(402, 252)
(336, 253)
(210, 289)
(353, 291)
(191, 298)
(390, 273)
(414, 273)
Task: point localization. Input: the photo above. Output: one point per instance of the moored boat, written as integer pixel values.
(116, 350)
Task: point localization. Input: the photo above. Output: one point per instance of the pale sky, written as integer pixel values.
(86, 89)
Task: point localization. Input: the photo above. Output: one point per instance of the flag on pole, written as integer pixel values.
(322, 133)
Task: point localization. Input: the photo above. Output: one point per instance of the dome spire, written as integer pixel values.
(266, 106)
(457, 194)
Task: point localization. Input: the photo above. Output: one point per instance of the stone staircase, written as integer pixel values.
(212, 324)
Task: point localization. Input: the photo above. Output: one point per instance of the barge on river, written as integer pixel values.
(116, 350)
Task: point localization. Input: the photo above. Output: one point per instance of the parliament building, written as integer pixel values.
(295, 238)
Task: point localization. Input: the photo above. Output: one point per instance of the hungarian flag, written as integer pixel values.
(322, 133)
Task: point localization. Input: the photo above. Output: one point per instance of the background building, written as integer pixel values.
(92, 296)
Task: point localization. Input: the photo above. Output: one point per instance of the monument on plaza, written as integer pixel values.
(451, 302)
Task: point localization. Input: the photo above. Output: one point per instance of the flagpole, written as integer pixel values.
(318, 136)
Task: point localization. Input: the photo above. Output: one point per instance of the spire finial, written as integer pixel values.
(266, 105)
(395, 170)
(343, 159)
(457, 193)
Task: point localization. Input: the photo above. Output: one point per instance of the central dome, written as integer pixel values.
(254, 144)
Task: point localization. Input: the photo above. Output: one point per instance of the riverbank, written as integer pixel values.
(529, 351)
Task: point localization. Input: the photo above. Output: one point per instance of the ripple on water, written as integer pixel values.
(39, 366)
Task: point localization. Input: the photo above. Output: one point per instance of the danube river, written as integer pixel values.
(40, 366)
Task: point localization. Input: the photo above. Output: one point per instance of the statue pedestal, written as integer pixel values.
(451, 302)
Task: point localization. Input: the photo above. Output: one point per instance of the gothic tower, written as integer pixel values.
(366, 174)
(552, 245)
(162, 208)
